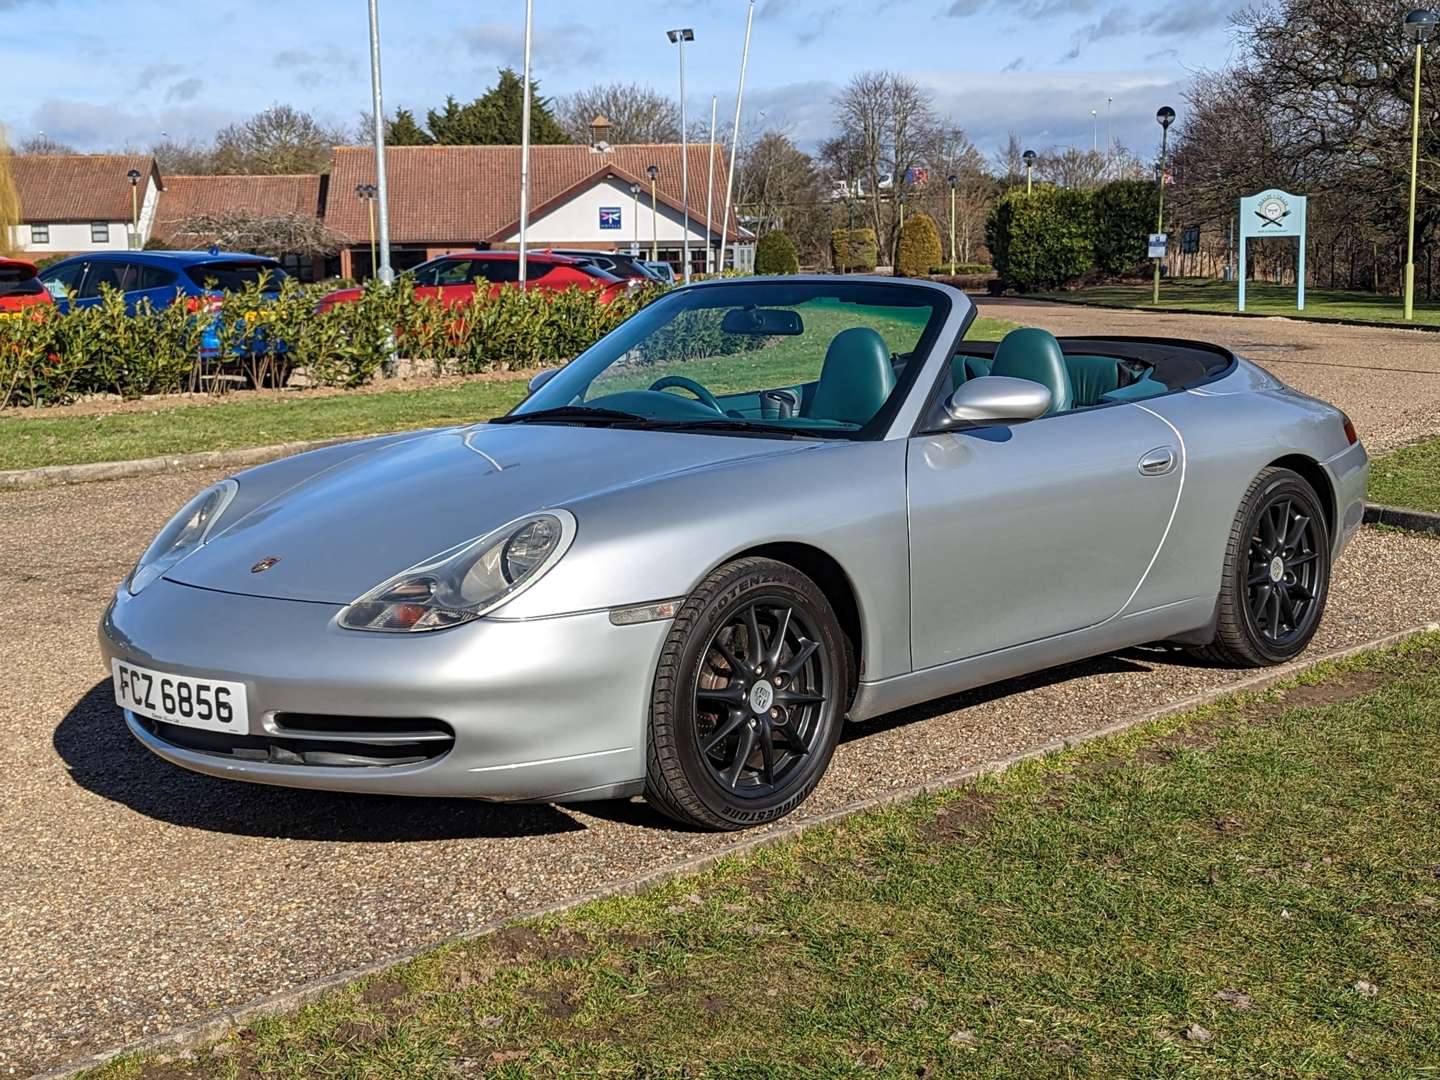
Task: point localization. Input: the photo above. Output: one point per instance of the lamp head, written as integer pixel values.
(1420, 25)
(134, 177)
(1165, 116)
(686, 34)
(1028, 157)
(634, 189)
(952, 180)
(652, 171)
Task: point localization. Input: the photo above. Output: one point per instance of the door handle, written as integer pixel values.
(1158, 462)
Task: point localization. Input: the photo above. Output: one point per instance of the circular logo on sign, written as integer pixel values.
(1273, 209)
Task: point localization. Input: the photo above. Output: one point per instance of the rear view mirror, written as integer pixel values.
(763, 322)
(997, 399)
(540, 378)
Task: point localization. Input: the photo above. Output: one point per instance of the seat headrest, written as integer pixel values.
(856, 379)
(1034, 354)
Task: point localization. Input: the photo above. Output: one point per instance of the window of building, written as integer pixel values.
(40, 234)
(99, 232)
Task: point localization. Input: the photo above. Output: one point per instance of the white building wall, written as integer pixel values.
(72, 237)
(577, 221)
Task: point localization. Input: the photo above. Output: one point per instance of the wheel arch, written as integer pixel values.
(822, 568)
(1313, 473)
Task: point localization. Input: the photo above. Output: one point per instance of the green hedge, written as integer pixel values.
(776, 254)
(854, 250)
(919, 249)
(47, 358)
(1051, 236)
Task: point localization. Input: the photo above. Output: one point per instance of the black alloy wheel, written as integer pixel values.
(1276, 576)
(749, 696)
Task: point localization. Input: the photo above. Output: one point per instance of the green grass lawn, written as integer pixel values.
(1205, 294)
(34, 440)
(1250, 890)
(1408, 477)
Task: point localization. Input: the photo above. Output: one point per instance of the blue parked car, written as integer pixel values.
(201, 278)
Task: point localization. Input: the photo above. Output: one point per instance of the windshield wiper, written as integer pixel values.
(577, 414)
(745, 427)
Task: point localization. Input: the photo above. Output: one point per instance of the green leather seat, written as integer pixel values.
(856, 379)
(1092, 377)
(964, 368)
(1034, 354)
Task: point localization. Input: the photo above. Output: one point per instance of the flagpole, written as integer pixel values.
(735, 144)
(710, 192)
(525, 143)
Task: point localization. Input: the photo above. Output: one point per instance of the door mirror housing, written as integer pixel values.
(997, 399)
(540, 378)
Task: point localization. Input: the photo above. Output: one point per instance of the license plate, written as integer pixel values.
(211, 704)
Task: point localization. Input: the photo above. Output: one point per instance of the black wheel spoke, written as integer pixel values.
(737, 669)
(1258, 577)
(802, 656)
(777, 643)
(798, 697)
(724, 731)
(755, 651)
(1301, 560)
(742, 755)
(734, 694)
(767, 753)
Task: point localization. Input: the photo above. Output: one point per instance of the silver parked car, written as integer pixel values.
(756, 508)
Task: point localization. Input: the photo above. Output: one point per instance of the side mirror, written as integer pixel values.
(540, 378)
(997, 399)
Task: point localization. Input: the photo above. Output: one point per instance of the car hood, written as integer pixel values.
(338, 533)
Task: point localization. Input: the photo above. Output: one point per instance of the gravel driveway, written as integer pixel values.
(135, 896)
(1387, 380)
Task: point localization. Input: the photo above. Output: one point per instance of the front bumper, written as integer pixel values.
(550, 709)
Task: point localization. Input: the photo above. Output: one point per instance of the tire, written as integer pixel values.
(1263, 619)
(730, 746)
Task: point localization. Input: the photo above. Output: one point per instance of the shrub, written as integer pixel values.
(1041, 239)
(853, 250)
(776, 254)
(1124, 216)
(919, 249)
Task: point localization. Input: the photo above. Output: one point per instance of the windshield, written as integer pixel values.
(234, 276)
(798, 358)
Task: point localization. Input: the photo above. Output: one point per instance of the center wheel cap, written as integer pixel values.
(762, 696)
(1277, 568)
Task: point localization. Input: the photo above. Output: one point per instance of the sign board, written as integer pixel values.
(609, 217)
(1158, 244)
(635, 249)
(1190, 241)
(1274, 213)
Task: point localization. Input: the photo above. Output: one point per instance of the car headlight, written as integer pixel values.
(187, 531)
(468, 581)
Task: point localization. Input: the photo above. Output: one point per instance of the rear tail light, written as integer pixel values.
(1350, 434)
(206, 302)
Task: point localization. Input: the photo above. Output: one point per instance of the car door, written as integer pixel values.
(63, 282)
(1022, 532)
(109, 274)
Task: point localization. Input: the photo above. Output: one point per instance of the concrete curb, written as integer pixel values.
(216, 1026)
(1401, 517)
(53, 475)
(1326, 320)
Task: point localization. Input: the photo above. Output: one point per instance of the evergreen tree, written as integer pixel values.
(494, 117)
(405, 130)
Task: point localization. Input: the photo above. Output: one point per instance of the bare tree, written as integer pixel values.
(1071, 167)
(40, 143)
(781, 188)
(278, 140)
(174, 157)
(1010, 162)
(637, 113)
(274, 235)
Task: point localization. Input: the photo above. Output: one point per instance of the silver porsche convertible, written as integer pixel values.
(752, 511)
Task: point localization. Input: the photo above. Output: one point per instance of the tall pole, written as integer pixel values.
(679, 37)
(371, 201)
(952, 225)
(1414, 175)
(387, 275)
(525, 143)
(1109, 129)
(1164, 116)
(654, 222)
(635, 214)
(735, 142)
(1094, 131)
(710, 192)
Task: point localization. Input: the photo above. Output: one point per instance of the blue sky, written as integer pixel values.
(100, 74)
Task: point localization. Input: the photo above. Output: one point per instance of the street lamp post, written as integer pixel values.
(1164, 116)
(386, 274)
(653, 171)
(635, 214)
(953, 180)
(1094, 131)
(680, 37)
(366, 194)
(134, 177)
(1029, 158)
(1419, 26)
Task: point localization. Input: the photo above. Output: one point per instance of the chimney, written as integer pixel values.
(600, 134)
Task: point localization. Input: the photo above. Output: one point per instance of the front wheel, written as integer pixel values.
(748, 700)
(1277, 574)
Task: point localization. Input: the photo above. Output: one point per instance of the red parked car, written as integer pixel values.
(19, 287)
(455, 277)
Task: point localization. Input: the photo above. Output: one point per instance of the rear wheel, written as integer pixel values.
(1277, 574)
(748, 698)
